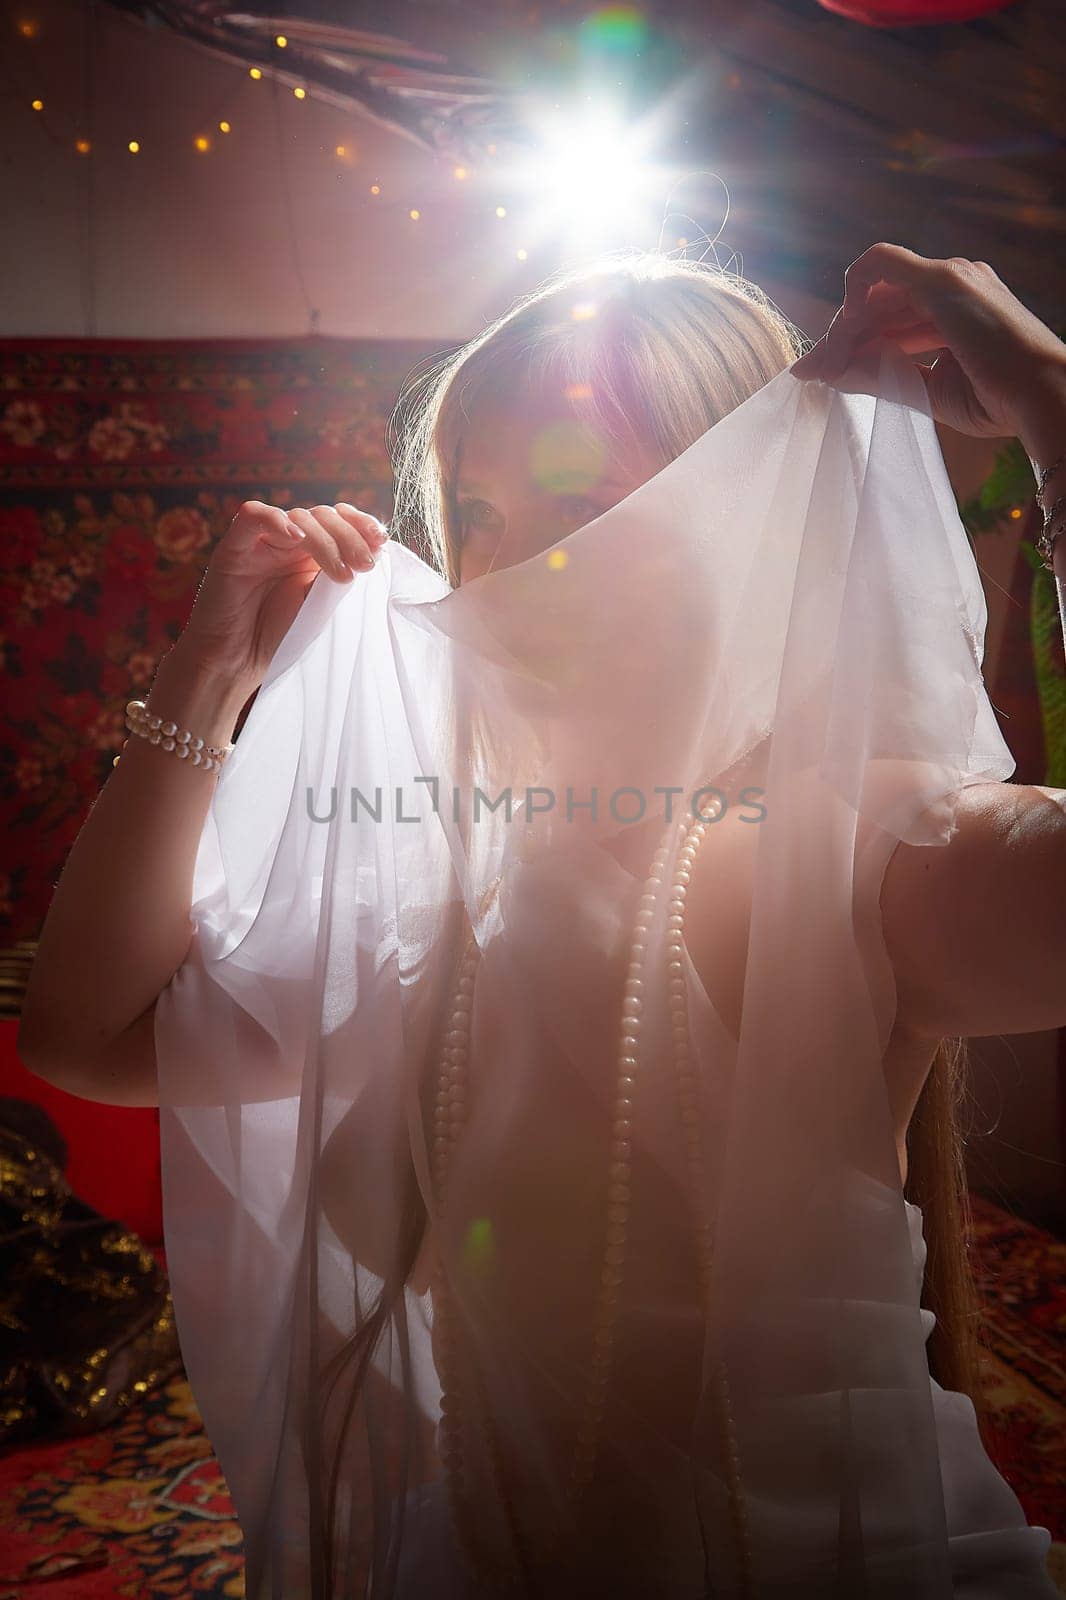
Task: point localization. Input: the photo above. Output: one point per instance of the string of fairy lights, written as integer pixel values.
(587, 170)
(578, 172)
(224, 127)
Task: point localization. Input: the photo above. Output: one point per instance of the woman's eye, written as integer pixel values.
(474, 513)
(479, 516)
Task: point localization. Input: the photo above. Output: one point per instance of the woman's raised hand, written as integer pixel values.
(258, 577)
(998, 366)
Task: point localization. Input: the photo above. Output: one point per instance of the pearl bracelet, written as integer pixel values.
(168, 736)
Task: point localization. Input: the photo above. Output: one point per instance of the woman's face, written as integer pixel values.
(528, 478)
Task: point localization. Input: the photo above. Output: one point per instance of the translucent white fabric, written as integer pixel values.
(993, 1553)
(667, 1284)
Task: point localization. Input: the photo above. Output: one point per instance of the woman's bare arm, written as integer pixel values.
(976, 929)
(118, 926)
(126, 1074)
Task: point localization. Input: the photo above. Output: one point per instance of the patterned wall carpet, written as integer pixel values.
(121, 464)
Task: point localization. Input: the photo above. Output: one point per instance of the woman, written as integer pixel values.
(617, 1404)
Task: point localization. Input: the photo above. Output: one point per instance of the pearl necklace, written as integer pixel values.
(449, 1119)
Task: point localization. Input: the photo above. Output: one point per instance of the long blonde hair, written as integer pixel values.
(657, 349)
(936, 1181)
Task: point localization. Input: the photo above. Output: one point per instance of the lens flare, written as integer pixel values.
(619, 30)
(480, 1244)
(587, 179)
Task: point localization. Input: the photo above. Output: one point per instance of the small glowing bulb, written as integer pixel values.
(134, 146)
(202, 144)
(254, 72)
(341, 151)
(375, 188)
(460, 172)
(557, 559)
(683, 242)
(1015, 512)
(27, 29)
(38, 105)
(521, 254)
(83, 147)
(501, 211)
(301, 94)
(414, 215)
(281, 41)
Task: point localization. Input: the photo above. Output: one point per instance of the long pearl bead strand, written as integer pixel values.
(449, 1118)
(691, 1122)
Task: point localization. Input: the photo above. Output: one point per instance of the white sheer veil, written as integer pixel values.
(661, 1331)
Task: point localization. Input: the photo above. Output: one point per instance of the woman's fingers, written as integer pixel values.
(913, 337)
(998, 364)
(886, 295)
(373, 530)
(829, 357)
(340, 539)
(340, 543)
(320, 544)
(893, 264)
(256, 523)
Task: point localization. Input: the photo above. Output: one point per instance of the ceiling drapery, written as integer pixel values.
(829, 135)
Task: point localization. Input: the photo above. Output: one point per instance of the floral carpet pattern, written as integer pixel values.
(122, 462)
(138, 1509)
(141, 1509)
(1021, 1274)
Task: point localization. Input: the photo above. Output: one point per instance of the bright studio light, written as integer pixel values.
(588, 178)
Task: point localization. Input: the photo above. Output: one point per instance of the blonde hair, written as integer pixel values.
(936, 1182)
(655, 349)
(649, 347)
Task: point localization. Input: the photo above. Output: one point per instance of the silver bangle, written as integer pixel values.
(1043, 478)
(186, 745)
(1051, 532)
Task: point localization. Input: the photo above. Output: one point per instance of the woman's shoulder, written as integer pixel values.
(975, 929)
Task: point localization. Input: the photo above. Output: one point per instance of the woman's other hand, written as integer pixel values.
(258, 576)
(999, 366)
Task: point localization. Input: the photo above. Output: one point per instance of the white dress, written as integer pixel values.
(995, 1554)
